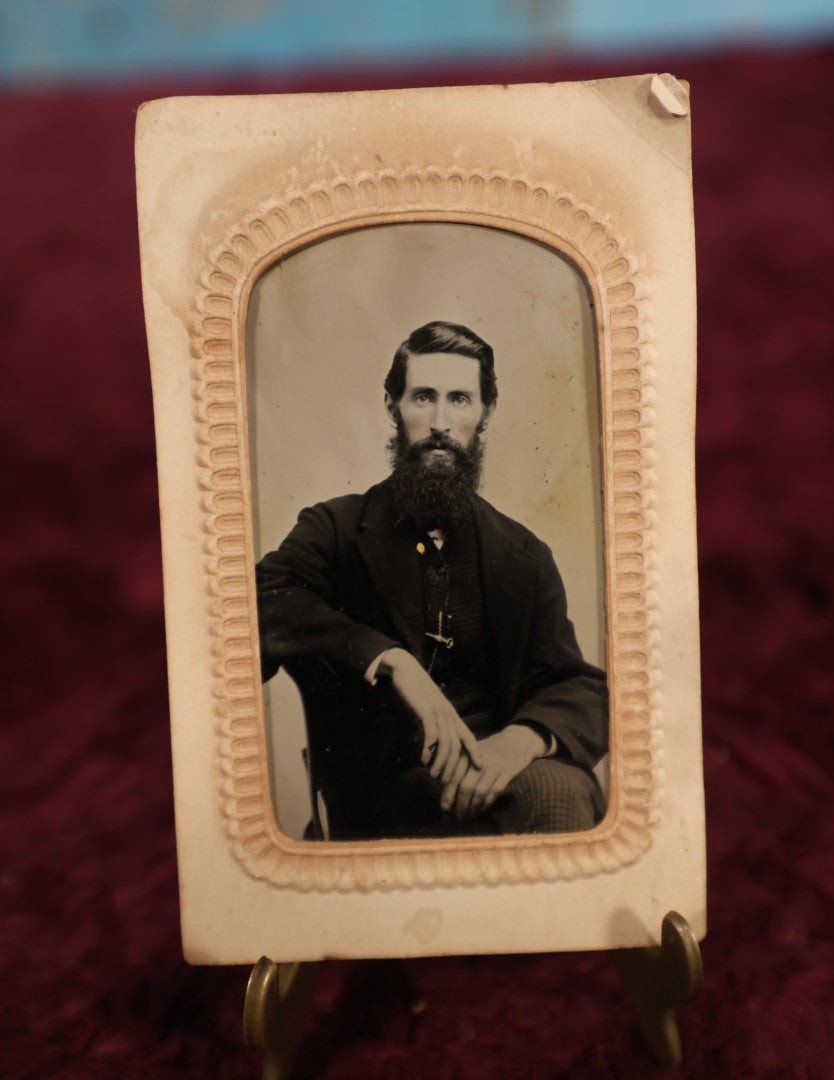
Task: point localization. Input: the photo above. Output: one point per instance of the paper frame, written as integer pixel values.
(227, 236)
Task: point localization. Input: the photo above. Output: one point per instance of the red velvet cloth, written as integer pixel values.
(92, 974)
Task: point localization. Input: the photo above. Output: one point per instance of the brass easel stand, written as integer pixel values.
(272, 1011)
(657, 980)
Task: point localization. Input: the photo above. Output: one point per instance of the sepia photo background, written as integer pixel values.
(322, 328)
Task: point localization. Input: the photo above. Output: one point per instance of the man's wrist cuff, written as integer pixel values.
(551, 746)
(372, 671)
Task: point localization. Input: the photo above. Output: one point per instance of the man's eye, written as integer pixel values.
(422, 398)
(460, 399)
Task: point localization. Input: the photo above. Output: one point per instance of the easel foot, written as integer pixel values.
(658, 980)
(272, 1011)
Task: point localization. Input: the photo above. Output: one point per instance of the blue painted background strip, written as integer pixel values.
(67, 39)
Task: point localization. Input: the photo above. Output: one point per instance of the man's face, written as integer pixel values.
(441, 403)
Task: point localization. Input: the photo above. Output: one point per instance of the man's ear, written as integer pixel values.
(486, 416)
(390, 406)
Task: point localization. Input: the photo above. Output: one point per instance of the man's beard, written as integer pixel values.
(436, 495)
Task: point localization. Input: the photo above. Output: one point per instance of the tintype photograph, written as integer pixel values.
(423, 365)
(415, 605)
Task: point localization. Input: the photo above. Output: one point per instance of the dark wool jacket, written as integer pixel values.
(345, 586)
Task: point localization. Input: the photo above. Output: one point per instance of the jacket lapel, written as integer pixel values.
(390, 556)
(507, 596)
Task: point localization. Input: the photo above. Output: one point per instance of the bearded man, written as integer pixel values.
(444, 690)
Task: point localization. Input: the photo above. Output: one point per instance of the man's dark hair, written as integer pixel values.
(444, 337)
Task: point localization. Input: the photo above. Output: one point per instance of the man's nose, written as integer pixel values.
(440, 420)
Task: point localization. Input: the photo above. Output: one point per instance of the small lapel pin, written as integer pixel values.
(421, 548)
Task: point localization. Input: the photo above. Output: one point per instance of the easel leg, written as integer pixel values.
(272, 1011)
(659, 979)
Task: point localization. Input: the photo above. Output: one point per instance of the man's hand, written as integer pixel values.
(505, 754)
(445, 735)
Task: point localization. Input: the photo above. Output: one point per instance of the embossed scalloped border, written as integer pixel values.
(538, 211)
